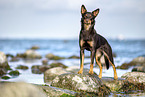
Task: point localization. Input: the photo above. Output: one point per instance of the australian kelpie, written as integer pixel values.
(92, 41)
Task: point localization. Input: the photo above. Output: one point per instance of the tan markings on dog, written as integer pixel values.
(87, 27)
(82, 65)
(81, 43)
(91, 43)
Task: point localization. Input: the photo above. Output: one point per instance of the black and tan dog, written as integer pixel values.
(92, 41)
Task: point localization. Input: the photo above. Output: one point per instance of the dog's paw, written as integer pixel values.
(91, 72)
(80, 72)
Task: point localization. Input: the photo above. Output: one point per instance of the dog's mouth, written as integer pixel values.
(87, 23)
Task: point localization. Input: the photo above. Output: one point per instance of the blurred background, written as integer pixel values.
(60, 19)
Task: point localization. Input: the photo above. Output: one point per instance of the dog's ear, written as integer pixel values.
(83, 9)
(95, 12)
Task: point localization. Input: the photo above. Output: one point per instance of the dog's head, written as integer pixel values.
(88, 18)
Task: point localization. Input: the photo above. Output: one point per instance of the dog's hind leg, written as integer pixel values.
(97, 57)
(115, 73)
(81, 61)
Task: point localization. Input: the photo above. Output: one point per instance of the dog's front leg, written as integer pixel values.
(92, 62)
(81, 61)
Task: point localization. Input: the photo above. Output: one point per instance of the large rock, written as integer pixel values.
(139, 61)
(3, 61)
(81, 83)
(135, 81)
(114, 85)
(139, 68)
(134, 77)
(20, 89)
(50, 74)
(31, 54)
(4, 66)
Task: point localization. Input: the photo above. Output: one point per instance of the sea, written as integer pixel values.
(125, 50)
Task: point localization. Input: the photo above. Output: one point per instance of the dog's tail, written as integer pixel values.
(108, 55)
(106, 62)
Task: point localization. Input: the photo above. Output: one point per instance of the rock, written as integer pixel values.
(135, 81)
(22, 67)
(57, 64)
(55, 92)
(53, 57)
(43, 68)
(81, 83)
(114, 85)
(9, 55)
(35, 47)
(73, 57)
(134, 77)
(2, 71)
(3, 61)
(36, 69)
(45, 62)
(14, 59)
(31, 54)
(139, 61)
(20, 55)
(20, 89)
(139, 69)
(5, 77)
(124, 66)
(14, 73)
(50, 74)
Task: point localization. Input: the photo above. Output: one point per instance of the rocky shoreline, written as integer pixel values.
(64, 81)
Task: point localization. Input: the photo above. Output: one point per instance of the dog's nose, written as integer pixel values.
(87, 21)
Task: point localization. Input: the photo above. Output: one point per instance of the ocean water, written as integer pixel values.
(125, 51)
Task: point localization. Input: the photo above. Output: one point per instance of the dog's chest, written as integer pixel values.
(86, 44)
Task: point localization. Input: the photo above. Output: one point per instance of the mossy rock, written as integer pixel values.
(123, 66)
(52, 65)
(14, 73)
(81, 83)
(22, 67)
(50, 74)
(139, 61)
(5, 77)
(73, 57)
(114, 85)
(9, 55)
(35, 47)
(128, 87)
(35, 69)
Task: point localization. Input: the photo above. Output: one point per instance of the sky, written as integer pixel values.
(60, 19)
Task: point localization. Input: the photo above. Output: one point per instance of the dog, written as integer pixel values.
(90, 40)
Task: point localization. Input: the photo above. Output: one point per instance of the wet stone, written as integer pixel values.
(22, 67)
